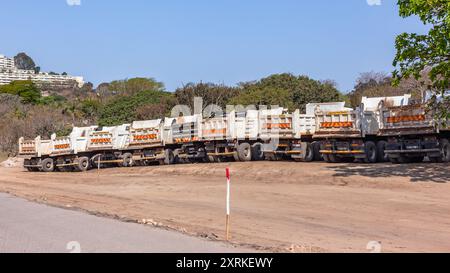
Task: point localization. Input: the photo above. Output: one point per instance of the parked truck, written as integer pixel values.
(57, 153)
(347, 134)
(233, 135)
(184, 138)
(413, 133)
(290, 135)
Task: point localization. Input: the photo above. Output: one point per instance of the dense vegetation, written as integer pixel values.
(428, 52)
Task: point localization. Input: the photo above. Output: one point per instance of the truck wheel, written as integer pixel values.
(245, 152)
(170, 157)
(28, 162)
(127, 160)
(381, 155)
(211, 159)
(445, 150)
(270, 157)
(257, 152)
(316, 149)
(326, 158)
(82, 164)
(309, 156)
(48, 165)
(333, 158)
(371, 152)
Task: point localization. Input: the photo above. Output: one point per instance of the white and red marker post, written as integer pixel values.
(228, 204)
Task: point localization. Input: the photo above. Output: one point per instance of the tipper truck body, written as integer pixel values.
(347, 134)
(413, 133)
(233, 135)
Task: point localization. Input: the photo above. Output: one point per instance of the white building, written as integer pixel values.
(9, 73)
(6, 62)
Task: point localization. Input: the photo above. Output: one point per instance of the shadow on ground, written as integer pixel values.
(424, 172)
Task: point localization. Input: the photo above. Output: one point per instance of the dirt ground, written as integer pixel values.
(276, 206)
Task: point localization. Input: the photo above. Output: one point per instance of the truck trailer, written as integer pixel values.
(413, 134)
(347, 134)
(233, 135)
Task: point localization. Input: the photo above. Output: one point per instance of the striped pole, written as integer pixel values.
(228, 205)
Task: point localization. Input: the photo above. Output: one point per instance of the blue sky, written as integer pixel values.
(221, 41)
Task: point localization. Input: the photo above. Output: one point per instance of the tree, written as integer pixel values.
(123, 108)
(287, 90)
(26, 90)
(211, 93)
(378, 84)
(416, 53)
(135, 85)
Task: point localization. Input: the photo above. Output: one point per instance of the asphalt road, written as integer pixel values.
(27, 227)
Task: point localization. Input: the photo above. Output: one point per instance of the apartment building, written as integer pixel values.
(9, 73)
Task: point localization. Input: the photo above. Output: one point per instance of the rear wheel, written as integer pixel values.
(309, 156)
(48, 165)
(127, 160)
(316, 149)
(445, 150)
(245, 152)
(169, 157)
(326, 158)
(333, 158)
(82, 164)
(257, 152)
(371, 152)
(381, 155)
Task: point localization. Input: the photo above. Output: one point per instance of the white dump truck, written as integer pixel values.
(413, 133)
(234, 135)
(57, 153)
(183, 136)
(346, 134)
(139, 143)
(290, 135)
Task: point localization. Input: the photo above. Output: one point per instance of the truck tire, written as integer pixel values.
(28, 162)
(381, 155)
(48, 165)
(445, 150)
(96, 160)
(309, 155)
(333, 158)
(170, 157)
(316, 148)
(371, 152)
(245, 152)
(257, 152)
(326, 158)
(127, 160)
(82, 164)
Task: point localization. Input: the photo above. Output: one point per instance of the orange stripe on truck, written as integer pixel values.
(215, 131)
(406, 118)
(145, 137)
(101, 140)
(62, 146)
(278, 126)
(337, 124)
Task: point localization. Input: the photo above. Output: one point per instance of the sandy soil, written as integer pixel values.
(276, 206)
